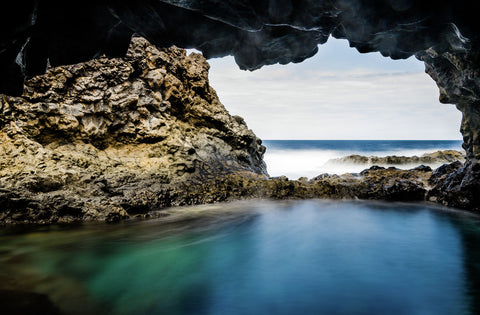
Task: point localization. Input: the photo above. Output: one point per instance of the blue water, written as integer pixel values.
(367, 146)
(295, 257)
(308, 158)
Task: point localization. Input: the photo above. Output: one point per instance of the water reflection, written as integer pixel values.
(257, 257)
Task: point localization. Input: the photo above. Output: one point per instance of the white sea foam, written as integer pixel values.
(310, 163)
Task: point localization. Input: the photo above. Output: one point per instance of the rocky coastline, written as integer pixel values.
(117, 138)
(434, 159)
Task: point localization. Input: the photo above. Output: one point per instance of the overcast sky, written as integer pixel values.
(337, 94)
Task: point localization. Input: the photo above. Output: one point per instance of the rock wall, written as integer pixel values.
(456, 73)
(109, 138)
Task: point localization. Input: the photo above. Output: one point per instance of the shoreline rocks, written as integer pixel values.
(141, 199)
(434, 158)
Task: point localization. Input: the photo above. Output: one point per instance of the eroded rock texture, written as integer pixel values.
(457, 75)
(114, 137)
(442, 33)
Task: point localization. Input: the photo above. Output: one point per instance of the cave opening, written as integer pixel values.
(338, 94)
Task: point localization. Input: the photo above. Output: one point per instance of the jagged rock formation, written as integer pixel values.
(433, 159)
(115, 137)
(442, 33)
(457, 75)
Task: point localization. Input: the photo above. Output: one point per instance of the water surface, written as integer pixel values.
(257, 257)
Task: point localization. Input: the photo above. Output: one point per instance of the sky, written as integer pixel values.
(337, 94)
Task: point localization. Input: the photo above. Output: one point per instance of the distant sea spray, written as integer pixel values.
(309, 158)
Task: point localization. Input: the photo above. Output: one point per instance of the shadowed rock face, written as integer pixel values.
(456, 73)
(444, 34)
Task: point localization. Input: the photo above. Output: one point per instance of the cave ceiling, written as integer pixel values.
(38, 33)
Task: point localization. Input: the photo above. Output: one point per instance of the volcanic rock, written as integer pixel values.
(114, 137)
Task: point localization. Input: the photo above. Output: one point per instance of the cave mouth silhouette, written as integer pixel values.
(35, 33)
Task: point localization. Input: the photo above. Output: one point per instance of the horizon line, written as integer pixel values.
(362, 139)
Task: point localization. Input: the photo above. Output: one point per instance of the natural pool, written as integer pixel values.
(256, 257)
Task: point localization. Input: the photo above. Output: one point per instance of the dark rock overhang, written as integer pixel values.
(36, 33)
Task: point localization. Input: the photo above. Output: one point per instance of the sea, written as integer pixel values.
(309, 158)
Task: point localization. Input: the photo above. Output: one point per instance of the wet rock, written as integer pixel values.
(377, 183)
(434, 158)
(422, 168)
(441, 173)
(393, 184)
(456, 73)
(454, 187)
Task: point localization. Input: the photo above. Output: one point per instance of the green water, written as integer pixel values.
(297, 257)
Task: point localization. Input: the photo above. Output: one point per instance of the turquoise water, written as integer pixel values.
(257, 257)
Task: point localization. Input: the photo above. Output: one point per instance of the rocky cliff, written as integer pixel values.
(457, 73)
(115, 137)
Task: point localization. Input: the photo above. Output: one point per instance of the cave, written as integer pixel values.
(35, 34)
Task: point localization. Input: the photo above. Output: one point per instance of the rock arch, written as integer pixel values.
(443, 34)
